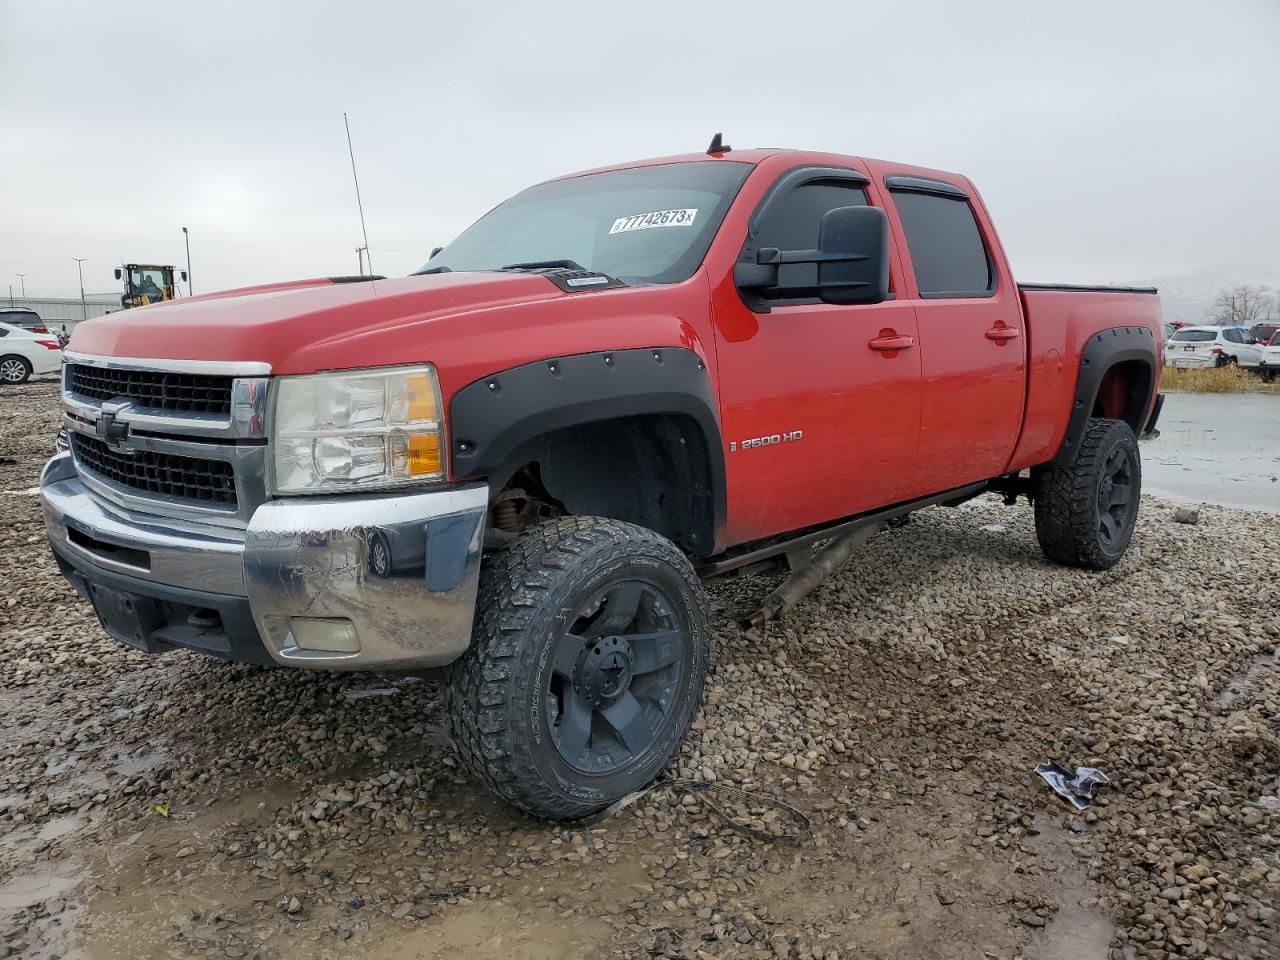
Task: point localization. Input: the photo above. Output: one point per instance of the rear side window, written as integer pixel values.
(1233, 336)
(1199, 336)
(793, 223)
(946, 246)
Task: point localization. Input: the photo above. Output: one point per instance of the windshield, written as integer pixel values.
(145, 278)
(1201, 335)
(642, 225)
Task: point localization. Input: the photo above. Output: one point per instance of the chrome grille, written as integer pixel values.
(182, 439)
(163, 474)
(153, 389)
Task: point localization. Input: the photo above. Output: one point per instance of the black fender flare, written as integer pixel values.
(494, 421)
(1102, 351)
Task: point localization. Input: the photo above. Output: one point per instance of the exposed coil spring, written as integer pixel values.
(505, 516)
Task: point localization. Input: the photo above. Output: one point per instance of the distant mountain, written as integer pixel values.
(1189, 296)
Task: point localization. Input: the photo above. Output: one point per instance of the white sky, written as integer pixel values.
(1112, 140)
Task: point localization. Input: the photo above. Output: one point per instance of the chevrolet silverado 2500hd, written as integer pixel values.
(522, 460)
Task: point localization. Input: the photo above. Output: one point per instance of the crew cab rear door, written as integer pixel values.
(973, 345)
(820, 419)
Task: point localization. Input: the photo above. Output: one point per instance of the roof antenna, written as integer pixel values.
(717, 146)
(359, 206)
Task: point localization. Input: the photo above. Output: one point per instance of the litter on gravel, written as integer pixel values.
(1076, 787)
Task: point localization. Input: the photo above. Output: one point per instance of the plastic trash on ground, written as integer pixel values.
(1076, 787)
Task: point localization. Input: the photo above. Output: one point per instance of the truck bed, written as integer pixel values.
(1060, 319)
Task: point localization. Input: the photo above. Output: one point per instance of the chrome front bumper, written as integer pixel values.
(369, 582)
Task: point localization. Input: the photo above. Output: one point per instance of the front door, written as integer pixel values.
(820, 404)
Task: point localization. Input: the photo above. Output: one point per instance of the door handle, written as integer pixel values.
(1001, 334)
(887, 343)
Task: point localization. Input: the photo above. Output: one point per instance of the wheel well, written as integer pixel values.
(1124, 393)
(653, 470)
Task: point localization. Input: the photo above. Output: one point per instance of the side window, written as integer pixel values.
(791, 222)
(1233, 335)
(946, 246)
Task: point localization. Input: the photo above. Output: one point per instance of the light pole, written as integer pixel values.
(84, 310)
(22, 280)
(187, 237)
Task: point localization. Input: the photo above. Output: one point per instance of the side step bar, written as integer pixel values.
(753, 553)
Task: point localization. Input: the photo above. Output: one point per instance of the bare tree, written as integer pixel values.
(1242, 306)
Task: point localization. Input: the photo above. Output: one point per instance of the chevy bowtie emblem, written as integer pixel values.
(112, 431)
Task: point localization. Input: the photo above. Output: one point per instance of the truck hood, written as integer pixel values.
(274, 323)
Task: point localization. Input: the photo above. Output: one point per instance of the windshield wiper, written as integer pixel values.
(440, 269)
(545, 265)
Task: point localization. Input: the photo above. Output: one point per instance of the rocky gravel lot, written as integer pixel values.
(180, 807)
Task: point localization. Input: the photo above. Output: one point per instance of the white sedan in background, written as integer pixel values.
(1212, 347)
(23, 353)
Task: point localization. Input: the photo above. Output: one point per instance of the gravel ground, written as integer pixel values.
(175, 806)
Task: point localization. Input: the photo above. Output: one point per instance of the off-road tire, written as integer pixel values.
(13, 361)
(496, 705)
(1067, 499)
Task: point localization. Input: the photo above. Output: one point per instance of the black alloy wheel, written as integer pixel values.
(1116, 502)
(588, 657)
(614, 676)
(1086, 510)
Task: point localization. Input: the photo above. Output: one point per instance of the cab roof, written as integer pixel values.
(758, 155)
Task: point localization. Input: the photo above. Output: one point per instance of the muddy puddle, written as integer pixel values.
(1078, 930)
(1239, 690)
(1216, 448)
(498, 933)
(37, 886)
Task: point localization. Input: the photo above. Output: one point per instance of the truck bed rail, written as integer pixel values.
(1085, 288)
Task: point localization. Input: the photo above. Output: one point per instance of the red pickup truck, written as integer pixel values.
(522, 460)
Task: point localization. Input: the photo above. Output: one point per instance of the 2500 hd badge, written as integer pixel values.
(769, 441)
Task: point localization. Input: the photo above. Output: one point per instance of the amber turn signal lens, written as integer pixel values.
(422, 397)
(424, 455)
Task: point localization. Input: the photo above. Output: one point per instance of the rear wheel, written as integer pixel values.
(14, 369)
(586, 666)
(1086, 511)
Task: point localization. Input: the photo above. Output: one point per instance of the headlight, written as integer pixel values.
(359, 430)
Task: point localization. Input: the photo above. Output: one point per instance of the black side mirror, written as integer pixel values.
(853, 244)
(117, 273)
(183, 274)
(852, 259)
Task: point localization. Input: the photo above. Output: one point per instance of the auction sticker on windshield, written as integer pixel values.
(659, 218)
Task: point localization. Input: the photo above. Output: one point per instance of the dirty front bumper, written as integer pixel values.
(370, 582)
